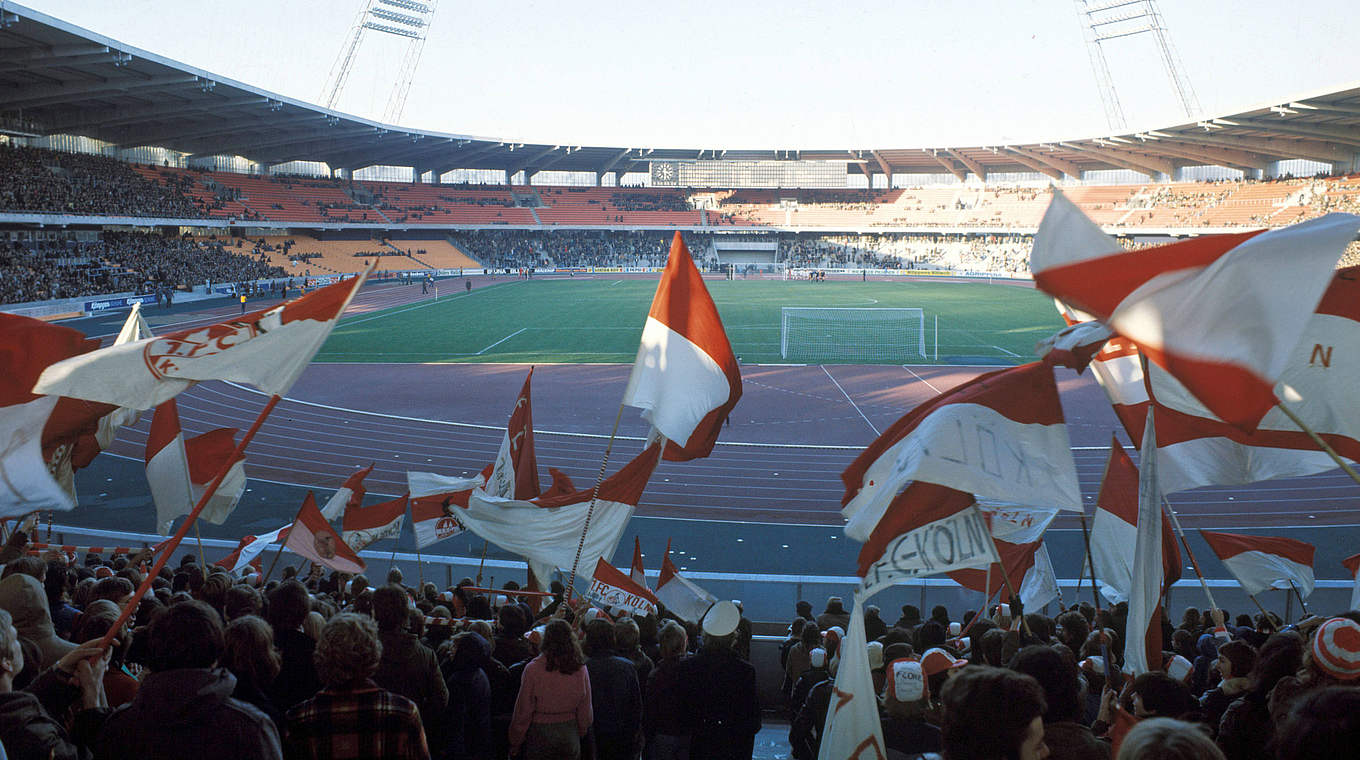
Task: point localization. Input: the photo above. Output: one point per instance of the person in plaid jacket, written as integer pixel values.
(351, 718)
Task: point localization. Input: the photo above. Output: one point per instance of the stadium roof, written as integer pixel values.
(56, 78)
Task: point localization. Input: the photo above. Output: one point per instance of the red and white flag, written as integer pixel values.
(683, 598)
(167, 467)
(1352, 564)
(1027, 566)
(42, 438)
(928, 529)
(1114, 530)
(1264, 562)
(1143, 645)
(178, 471)
(637, 572)
(685, 379)
(514, 474)
(1000, 436)
(853, 728)
(351, 494)
(249, 548)
(547, 531)
(313, 538)
(267, 349)
(208, 454)
(1222, 313)
(364, 525)
(436, 501)
(1197, 449)
(1019, 535)
(1074, 346)
(611, 588)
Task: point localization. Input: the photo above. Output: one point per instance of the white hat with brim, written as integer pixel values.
(721, 619)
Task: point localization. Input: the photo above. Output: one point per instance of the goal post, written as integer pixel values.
(850, 334)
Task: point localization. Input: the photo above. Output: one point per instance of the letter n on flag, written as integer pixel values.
(685, 379)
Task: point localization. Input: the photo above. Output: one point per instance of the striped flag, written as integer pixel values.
(685, 378)
(683, 598)
(1264, 562)
(1352, 564)
(637, 572)
(312, 537)
(1222, 313)
(1143, 645)
(1114, 530)
(611, 588)
(351, 494)
(364, 525)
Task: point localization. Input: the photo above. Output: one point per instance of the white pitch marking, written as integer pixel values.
(847, 398)
(502, 340)
(922, 379)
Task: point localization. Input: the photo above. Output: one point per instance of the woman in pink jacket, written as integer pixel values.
(553, 712)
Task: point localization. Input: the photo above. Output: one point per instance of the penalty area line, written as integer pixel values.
(502, 340)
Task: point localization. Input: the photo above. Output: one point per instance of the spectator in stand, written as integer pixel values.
(352, 718)
(616, 697)
(834, 615)
(408, 667)
(1065, 733)
(993, 713)
(184, 706)
(1246, 729)
(249, 653)
(553, 710)
(468, 725)
(23, 597)
(906, 701)
(1321, 725)
(297, 679)
(32, 720)
(721, 688)
(665, 715)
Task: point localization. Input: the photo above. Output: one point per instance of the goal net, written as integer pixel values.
(852, 334)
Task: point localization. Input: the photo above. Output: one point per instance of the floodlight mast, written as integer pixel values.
(1105, 20)
(409, 19)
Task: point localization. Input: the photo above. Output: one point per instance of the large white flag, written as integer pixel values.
(364, 525)
(1222, 313)
(1000, 436)
(685, 378)
(852, 730)
(436, 501)
(267, 349)
(1196, 448)
(167, 467)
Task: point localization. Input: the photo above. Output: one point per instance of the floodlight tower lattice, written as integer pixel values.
(1106, 20)
(409, 19)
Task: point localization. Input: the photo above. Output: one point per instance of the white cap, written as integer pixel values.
(875, 650)
(721, 619)
(908, 682)
(1179, 668)
(817, 657)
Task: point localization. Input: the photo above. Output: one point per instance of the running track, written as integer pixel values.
(794, 431)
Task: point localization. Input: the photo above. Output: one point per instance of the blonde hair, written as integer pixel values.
(1168, 739)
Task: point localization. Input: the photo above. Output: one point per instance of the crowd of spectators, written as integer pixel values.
(518, 249)
(122, 262)
(328, 666)
(32, 179)
(1016, 684)
(993, 253)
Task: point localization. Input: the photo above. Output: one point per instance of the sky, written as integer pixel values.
(753, 74)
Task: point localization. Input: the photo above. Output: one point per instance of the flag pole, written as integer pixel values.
(1086, 539)
(202, 558)
(1194, 563)
(1302, 603)
(175, 540)
(1005, 576)
(420, 565)
(1331, 452)
(1264, 613)
(482, 562)
(272, 563)
(594, 496)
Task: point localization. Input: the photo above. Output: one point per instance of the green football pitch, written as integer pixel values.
(597, 320)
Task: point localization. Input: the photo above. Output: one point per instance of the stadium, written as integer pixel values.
(854, 285)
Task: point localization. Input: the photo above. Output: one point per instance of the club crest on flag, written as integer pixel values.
(165, 355)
